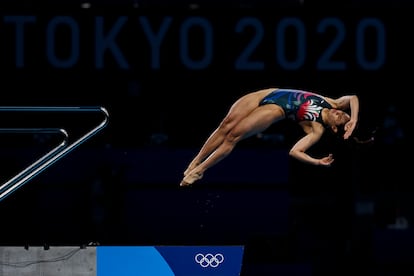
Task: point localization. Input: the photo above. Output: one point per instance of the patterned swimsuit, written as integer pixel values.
(298, 105)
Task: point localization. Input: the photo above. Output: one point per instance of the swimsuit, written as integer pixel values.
(298, 105)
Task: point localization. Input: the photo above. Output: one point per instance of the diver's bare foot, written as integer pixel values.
(189, 169)
(190, 178)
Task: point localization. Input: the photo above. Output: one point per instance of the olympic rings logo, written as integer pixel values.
(209, 259)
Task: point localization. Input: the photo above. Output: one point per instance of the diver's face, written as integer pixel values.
(338, 117)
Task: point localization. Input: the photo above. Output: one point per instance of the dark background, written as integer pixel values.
(121, 186)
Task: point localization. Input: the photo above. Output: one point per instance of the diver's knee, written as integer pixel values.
(233, 138)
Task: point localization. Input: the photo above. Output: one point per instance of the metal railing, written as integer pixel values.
(60, 150)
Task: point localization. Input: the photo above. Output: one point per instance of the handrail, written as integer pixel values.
(56, 153)
(41, 160)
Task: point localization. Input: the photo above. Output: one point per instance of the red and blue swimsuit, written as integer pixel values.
(298, 105)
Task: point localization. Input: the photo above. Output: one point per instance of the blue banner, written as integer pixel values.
(169, 260)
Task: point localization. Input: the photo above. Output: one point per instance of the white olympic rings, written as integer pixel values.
(209, 259)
